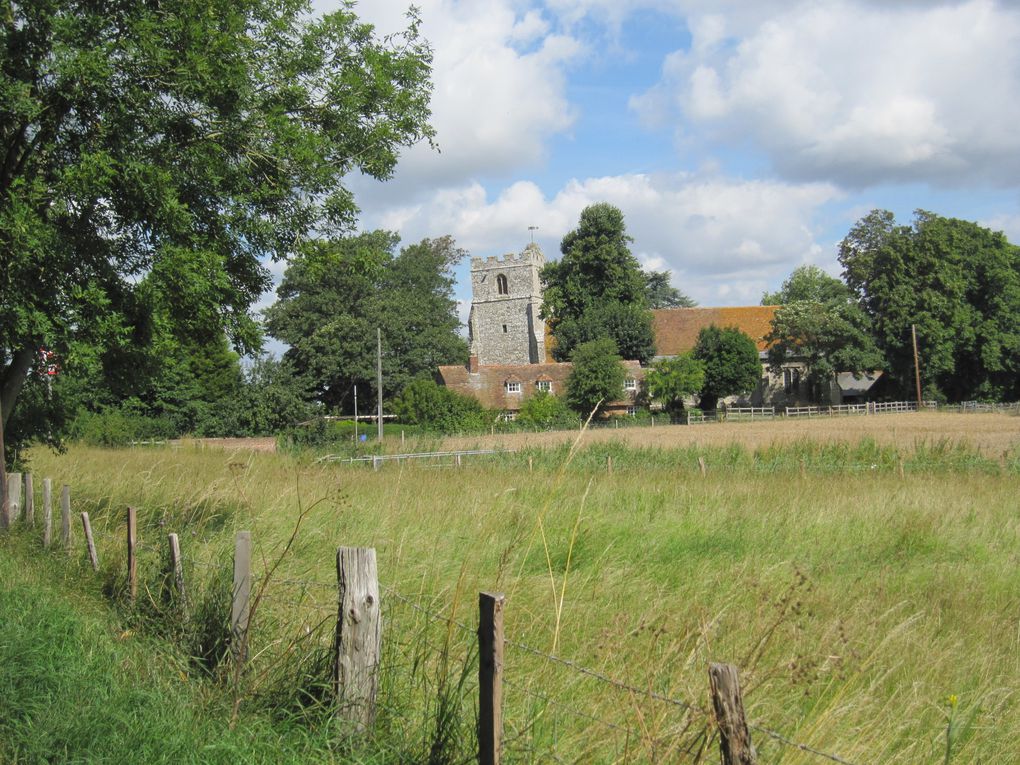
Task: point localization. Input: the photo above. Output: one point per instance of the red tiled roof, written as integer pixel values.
(487, 384)
(676, 329)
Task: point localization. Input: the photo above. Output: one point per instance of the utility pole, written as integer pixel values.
(355, 414)
(917, 365)
(378, 375)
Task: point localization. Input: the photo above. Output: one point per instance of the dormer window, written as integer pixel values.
(512, 386)
(630, 384)
(544, 385)
(501, 285)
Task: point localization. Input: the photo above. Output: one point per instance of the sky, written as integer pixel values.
(740, 139)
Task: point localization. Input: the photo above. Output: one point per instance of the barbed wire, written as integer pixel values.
(569, 709)
(802, 747)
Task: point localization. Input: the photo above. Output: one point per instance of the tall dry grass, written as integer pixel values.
(854, 600)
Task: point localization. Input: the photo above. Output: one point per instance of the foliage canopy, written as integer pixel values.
(597, 377)
(731, 363)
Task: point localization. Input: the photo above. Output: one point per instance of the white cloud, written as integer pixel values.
(726, 240)
(499, 89)
(857, 93)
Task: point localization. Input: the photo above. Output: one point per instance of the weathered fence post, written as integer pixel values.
(609, 464)
(47, 501)
(490, 677)
(177, 573)
(358, 635)
(734, 737)
(240, 604)
(89, 542)
(702, 466)
(531, 464)
(132, 559)
(65, 516)
(375, 463)
(29, 500)
(14, 495)
(458, 460)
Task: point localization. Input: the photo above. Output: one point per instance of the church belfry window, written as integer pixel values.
(501, 286)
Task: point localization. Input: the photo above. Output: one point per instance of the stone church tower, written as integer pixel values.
(506, 296)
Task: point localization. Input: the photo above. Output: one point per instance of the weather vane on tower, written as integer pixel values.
(532, 229)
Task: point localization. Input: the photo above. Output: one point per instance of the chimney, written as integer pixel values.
(472, 363)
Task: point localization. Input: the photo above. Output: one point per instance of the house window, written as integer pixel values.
(508, 416)
(791, 380)
(501, 286)
(512, 386)
(632, 410)
(629, 384)
(545, 385)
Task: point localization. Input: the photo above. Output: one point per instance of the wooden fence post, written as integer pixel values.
(29, 500)
(89, 542)
(609, 464)
(14, 495)
(240, 604)
(358, 641)
(132, 559)
(65, 516)
(490, 677)
(177, 572)
(375, 463)
(702, 466)
(734, 737)
(5, 494)
(47, 501)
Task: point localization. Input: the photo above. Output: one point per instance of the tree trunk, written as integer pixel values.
(13, 378)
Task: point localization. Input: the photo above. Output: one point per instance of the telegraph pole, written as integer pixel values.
(378, 376)
(917, 365)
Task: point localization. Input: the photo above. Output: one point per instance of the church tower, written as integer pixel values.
(506, 296)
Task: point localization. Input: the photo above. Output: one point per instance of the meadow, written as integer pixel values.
(865, 583)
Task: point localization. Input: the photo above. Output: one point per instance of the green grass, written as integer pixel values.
(853, 599)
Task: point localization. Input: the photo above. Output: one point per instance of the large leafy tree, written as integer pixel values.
(808, 283)
(334, 297)
(731, 363)
(828, 337)
(153, 155)
(958, 283)
(661, 294)
(597, 377)
(670, 381)
(597, 289)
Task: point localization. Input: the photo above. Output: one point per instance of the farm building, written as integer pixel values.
(510, 347)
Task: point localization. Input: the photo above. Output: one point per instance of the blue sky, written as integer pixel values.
(740, 139)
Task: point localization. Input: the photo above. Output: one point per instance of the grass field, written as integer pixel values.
(858, 584)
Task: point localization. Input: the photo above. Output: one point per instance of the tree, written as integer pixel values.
(543, 409)
(828, 337)
(336, 294)
(670, 381)
(958, 283)
(731, 363)
(155, 154)
(597, 377)
(810, 284)
(597, 287)
(435, 407)
(661, 294)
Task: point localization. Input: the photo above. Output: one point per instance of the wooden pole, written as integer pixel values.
(490, 677)
(29, 500)
(132, 560)
(609, 464)
(917, 365)
(47, 500)
(734, 737)
(177, 572)
(89, 542)
(358, 641)
(531, 464)
(702, 466)
(378, 378)
(240, 605)
(14, 495)
(65, 515)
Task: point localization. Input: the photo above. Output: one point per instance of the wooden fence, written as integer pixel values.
(358, 634)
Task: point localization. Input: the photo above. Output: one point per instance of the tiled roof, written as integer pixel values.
(676, 329)
(487, 384)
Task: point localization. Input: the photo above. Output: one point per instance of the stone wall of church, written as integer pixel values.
(504, 326)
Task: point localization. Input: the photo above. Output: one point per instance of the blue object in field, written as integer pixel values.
(363, 437)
